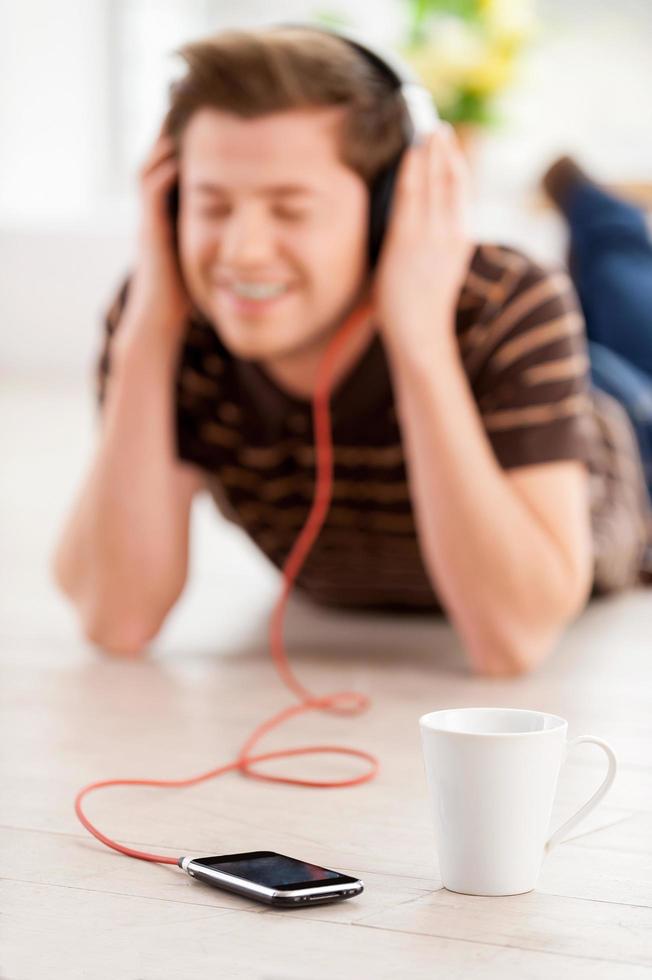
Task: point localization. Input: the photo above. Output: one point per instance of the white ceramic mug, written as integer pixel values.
(492, 776)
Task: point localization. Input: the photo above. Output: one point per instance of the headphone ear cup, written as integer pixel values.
(380, 207)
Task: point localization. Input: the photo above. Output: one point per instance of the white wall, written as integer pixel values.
(53, 99)
(54, 284)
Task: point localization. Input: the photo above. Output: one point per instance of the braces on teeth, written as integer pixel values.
(258, 291)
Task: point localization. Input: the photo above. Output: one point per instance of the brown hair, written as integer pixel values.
(254, 72)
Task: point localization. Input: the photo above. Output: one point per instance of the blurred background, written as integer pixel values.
(82, 90)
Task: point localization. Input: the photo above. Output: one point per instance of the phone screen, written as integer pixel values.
(271, 869)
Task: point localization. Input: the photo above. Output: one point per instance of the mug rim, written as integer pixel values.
(426, 726)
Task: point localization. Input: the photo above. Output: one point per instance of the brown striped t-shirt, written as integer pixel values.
(522, 342)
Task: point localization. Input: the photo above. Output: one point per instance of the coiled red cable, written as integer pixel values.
(342, 702)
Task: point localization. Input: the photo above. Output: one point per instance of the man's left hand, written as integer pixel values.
(427, 250)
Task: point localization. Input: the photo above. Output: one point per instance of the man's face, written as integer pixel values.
(273, 228)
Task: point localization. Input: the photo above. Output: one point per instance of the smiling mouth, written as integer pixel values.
(255, 288)
(262, 290)
(253, 295)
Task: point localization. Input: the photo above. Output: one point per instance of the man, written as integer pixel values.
(464, 428)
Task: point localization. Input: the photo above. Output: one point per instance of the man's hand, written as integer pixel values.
(427, 250)
(158, 304)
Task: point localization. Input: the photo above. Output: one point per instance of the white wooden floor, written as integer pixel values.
(73, 909)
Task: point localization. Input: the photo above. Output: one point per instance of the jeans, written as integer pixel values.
(611, 267)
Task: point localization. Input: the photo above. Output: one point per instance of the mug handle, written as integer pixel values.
(597, 796)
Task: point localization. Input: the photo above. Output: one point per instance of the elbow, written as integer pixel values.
(505, 658)
(125, 626)
(112, 630)
(124, 635)
(510, 647)
(113, 617)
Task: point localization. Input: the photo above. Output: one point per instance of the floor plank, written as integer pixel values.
(107, 936)
(70, 715)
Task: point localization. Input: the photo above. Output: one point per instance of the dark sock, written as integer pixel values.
(559, 182)
(561, 178)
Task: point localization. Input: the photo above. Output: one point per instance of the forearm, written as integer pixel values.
(502, 577)
(124, 549)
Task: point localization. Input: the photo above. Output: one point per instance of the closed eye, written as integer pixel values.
(215, 211)
(289, 214)
(283, 212)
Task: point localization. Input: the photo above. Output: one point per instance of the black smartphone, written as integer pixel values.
(275, 879)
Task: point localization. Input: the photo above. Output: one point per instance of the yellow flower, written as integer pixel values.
(453, 48)
(492, 74)
(511, 23)
(478, 56)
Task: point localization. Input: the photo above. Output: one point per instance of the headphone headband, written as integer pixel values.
(421, 111)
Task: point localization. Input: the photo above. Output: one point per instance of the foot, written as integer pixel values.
(561, 178)
(559, 181)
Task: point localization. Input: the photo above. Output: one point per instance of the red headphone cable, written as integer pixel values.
(342, 702)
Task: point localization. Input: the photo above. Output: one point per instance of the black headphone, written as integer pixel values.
(421, 118)
(420, 115)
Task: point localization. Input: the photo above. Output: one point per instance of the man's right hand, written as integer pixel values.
(157, 304)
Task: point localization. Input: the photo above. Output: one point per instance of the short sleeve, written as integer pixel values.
(203, 435)
(110, 322)
(533, 385)
(197, 386)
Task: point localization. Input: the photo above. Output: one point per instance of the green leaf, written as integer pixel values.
(420, 10)
(332, 18)
(469, 107)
